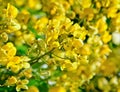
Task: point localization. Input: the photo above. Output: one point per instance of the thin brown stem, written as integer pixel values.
(36, 59)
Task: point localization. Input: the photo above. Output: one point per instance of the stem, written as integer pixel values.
(36, 59)
(60, 57)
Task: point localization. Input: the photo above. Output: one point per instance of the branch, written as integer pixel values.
(60, 57)
(36, 59)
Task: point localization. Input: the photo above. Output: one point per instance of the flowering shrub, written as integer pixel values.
(59, 45)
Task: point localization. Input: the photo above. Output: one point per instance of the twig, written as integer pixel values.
(36, 59)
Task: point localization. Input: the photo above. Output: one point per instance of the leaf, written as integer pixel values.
(108, 20)
(57, 72)
(43, 87)
(111, 45)
(22, 49)
(35, 32)
(8, 89)
(36, 65)
(33, 82)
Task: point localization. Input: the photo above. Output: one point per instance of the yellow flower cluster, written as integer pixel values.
(12, 63)
(8, 58)
(66, 42)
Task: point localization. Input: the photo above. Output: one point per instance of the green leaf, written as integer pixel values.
(33, 82)
(22, 49)
(43, 87)
(40, 84)
(57, 72)
(108, 20)
(8, 89)
(111, 45)
(36, 65)
(82, 89)
(35, 32)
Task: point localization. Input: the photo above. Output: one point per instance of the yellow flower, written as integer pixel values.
(9, 49)
(65, 25)
(3, 59)
(14, 26)
(114, 81)
(11, 81)
(108, 68)
(71, 2)
(64, 76)
(83, 60)
(53, 10)
(18, 33)
(4, 37)
(52, 38)
(77, 43)
(8, 46)
(85, 3)
(41, 24)
(83, 32)
(15, 60)
(66, 5)
(21, 84)
(112, 12)
(34, 4)
(69, 66)
(78, 32)
(14, 64)
(11, 11)
(29, 38)
(71, 14)
(105, 50)
(98, 4)
(19, 87)
(87, 13)
(103, 84)
(28, 73)
(70, 54)
(74, 27)
(33, 89)
(106, 3)
(55, 44)
(57, 89)
(15, 68)
(116, 21)
(23, 17)
(101, 25)
(25, 81)
(20, 2)
(26, 65)
(85, 50)
(106, 37)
